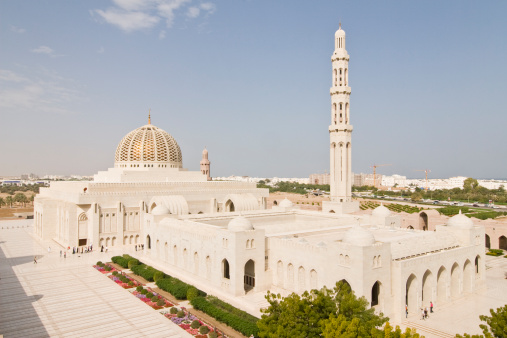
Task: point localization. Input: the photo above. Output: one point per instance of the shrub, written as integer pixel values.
(180, 314)
(174, 286)
(212, 334)
(195, 324)
(130, 283)
(495, 252)
(173, 310)
(203, 329)
(107, 268)
(144, 291)
(239, 324)
(115, 273)
(160, 302)
(139, 288)
(132, 262)
(192, 292)
(154, 299)
(158, 275)
(99, 263)
(145, 271)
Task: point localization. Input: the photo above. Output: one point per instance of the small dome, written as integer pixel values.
(339, 32)
(160, 210)
(381, 211)
(286, 204)
(148, 145)
(460, 221)
(240, 223)
(302, 240)
(358, 235)
(321, 245)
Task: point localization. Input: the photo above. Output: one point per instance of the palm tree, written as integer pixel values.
(9, 200)
(32, 198)
(2, 202)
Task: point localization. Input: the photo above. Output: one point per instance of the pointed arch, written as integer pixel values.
(301, 279)
(442, 285)
(411, 294)
(314, 279)
(455, 280)
(249, 275)
(225, 269)
(279, 273)
(375, 293)
(427, 287)
(467, 276)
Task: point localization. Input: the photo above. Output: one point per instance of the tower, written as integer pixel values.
(205, 164)
(340, 130)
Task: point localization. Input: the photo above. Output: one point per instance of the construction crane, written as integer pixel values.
(374, 172)
(426, 171)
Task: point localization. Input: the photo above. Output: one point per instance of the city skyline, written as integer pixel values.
(250, 81)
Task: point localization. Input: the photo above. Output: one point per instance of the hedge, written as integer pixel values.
(239, 324)
(231, 309)
(177, 288)
(495, 252)
(124, 260)
(145, 271)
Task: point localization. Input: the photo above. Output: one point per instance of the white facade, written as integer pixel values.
(221, 237)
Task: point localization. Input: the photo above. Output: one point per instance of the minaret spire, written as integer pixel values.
(149, 116)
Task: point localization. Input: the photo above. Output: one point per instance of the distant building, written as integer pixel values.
(320, 178)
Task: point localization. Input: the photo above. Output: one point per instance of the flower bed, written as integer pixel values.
(148, 299)
(105, 268)
(124, 281)
(185, 323)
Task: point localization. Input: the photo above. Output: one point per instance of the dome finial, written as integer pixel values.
(340, 25)
(149, 116)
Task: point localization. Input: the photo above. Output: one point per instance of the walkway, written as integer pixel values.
(67, 297)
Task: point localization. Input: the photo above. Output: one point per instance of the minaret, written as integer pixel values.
(205, 164)
(340, 130)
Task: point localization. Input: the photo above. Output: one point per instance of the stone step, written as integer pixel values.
(428, 332)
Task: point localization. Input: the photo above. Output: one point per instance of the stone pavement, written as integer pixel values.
(462, 315)
(67, 297)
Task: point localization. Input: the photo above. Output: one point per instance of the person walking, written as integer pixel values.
(60, 253)
(65, 254)
(422, 314)
(49, 249)
(431, 307)
(406, 310)
(426, 312)
(34, 259)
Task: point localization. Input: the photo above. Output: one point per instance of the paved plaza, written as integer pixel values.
(64, 297)
(67, 297)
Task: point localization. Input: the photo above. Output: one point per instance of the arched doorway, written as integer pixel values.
(313, 279)
(375, 293)
(442, 285)
(196, 263)
(502, 243)
(410, 227)
(301, 279)
(208, 267)
(423, 221)
(82, 229)
(488, 242)
(249, 275)
(290, 276)
(279, 273)
(427, 286)
(411, 294)
(229, 206)
(477, 263)
(275, 202)
(225, 269)
(331, 211)
(455, 281)
(148, 242)
(467, 276)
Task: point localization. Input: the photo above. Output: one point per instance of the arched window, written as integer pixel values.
(225, 269)
(148, 242)
(375, 292)
(502, 243)
(477, 261)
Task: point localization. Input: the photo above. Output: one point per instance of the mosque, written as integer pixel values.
(221, 234)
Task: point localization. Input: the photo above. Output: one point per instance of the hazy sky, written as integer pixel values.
(250, 81)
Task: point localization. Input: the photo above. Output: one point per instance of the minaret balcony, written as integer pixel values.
(340, 90)
(341, 127)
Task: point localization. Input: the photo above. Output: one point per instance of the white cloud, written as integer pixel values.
(209, 7)
(18, 29)
(43, 50)
(132, 15)
(193, 12)
(128, 21)
(45, 93)
(161, 35)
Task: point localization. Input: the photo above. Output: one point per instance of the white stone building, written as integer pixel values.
(220, 235)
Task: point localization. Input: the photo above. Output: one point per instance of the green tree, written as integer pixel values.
(496, 324)
(2, 202)
(470, 184)
(21, 198)
(9, 200)
(416, 196)
(325, 312)
(32, 198)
